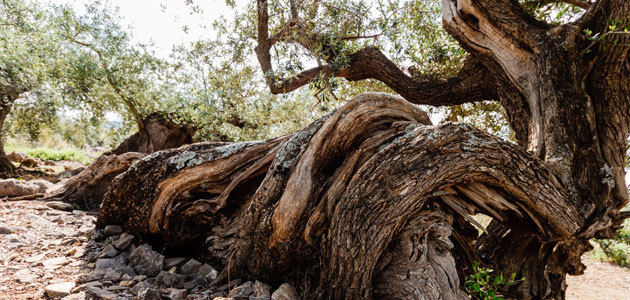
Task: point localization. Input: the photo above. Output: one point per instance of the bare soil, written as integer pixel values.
(601, 280)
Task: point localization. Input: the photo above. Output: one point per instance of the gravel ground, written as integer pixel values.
(40, 246)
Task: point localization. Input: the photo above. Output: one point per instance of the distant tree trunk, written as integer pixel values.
(158, 132)
(7, 169)
(86, 190)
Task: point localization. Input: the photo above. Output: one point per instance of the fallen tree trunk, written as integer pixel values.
(370, 201)
(86, 189)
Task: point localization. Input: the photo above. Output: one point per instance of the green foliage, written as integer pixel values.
(483, 285)
(57, 155)
(49, 153)
(615, 250)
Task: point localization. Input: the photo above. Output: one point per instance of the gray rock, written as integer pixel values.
(142, 286)
(25, 276)
(243, 290)
(168, 279)
(150, 294)
(87, 285)
(127, 270)
(43, 185)
(60, 205)
(111, 230)
(98, 293)
(146, 261)
(92, 276)
(173, 262)
(59, 290)
(195, 282)
(124, 241)
(191, 267)
(285, 292)
(112, 275)
(77, 296)
(261, 290)
(7, 229)
(107, 263)
(54, 263)
(178, 294)
(116, 288)
(16, 188)
(205, 270)
(108, 251)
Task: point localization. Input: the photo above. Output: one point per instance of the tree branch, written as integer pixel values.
(579, 3)
(470, 85)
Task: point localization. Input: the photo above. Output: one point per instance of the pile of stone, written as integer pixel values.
(122, 270)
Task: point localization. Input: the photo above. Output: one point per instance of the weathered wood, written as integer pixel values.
(86, 189)
(353, 200)
(159, 132)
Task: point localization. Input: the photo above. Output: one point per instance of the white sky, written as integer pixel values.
(161, 21)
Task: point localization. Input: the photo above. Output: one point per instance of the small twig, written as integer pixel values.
(603, 36)
(318, 100)
(356, 37)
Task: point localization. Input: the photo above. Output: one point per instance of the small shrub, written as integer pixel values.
(482, 285)
(615, 250)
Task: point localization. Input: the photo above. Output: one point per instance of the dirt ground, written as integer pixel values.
(42, 246)
(601, 280)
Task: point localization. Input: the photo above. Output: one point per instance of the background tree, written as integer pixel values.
(28, 43)
(83, 64)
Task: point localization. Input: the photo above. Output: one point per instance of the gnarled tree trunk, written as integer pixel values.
(363, 201)
(374, 201)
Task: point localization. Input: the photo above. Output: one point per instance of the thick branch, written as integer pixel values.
(579, 3)
(470, 85)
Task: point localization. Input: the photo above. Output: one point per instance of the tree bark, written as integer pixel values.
(576, 108)
(87, 189)
(7, 169)
(357, 201)
(159, 132)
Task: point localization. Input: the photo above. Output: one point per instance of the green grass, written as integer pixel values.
(615, 250)
(46, 153)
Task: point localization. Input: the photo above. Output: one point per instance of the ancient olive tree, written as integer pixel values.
(372, 200)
